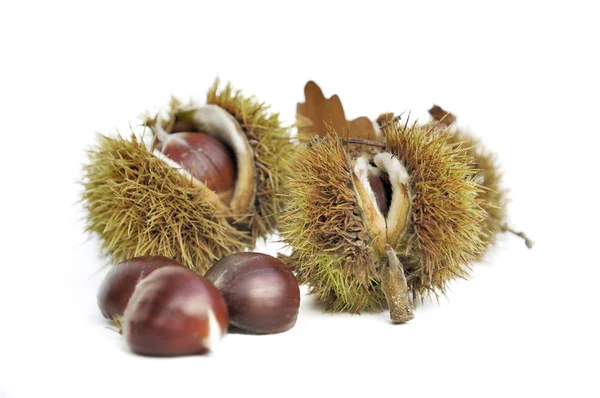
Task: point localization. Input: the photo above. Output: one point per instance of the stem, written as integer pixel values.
(506, 228)
(393, 283)
(528, 242)
(360, 141)
(395, 119)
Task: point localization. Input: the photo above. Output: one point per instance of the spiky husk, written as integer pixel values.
(489, 176)
(270, 142)
(138, 205)
(271, 145)
(444, 234)
(330, 245)
(493, 194)
(324, 226)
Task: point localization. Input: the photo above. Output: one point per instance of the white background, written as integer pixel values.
(523, 76)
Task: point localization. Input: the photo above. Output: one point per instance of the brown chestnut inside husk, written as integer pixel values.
(175, 312)
(208, 159)
(262, 294)
(118, 285)
(380, 184)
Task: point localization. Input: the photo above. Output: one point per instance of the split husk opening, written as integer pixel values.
(386, 229)
(216, 122)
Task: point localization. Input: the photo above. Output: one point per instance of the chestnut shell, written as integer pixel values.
(383, 192)
(118, 285)
(175, 312)
(262, 294)
(209, 160)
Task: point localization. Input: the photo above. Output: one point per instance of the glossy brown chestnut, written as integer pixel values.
(174, 312)
(205, 157)
(262, 294)
(119, 283)
(383, 191)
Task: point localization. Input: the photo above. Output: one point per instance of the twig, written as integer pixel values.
(528, 242)
(360, 141)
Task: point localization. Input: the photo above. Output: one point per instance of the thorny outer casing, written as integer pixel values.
(352, 256)
(489, 176)
(140, 202)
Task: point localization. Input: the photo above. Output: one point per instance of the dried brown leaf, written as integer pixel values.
(318, 115)
(440, 115)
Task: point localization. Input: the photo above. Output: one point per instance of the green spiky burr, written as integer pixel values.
(139, 202)
(352, 255)
(494, 195)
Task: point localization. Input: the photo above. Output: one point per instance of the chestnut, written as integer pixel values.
(380, 184)
(174, 311)
(119, 283)
(208, 160)
(262, 294)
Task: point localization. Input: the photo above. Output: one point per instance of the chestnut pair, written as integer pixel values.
(164, 308)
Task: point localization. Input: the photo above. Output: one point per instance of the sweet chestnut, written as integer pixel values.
(174, 311)
(383, 191)
(209, 160)
(120, 281)
(262, 294)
